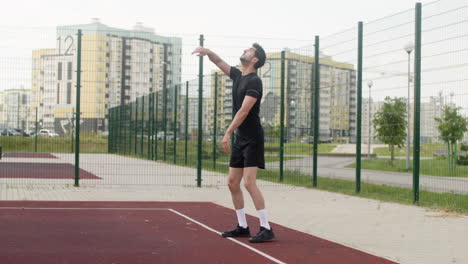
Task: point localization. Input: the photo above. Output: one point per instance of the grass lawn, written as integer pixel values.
(88, 144)
(91, 143)
(297, 148)
(427, 150)
(443, 201)
(434, 167)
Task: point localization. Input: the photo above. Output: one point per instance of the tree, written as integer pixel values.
(271, 132)
(390, 124)
(452, 126)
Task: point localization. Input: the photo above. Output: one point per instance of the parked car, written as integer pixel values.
(307, 139)
(47, 133)
(9, 132)
(160, 136)
(29, 133)
(22, 132)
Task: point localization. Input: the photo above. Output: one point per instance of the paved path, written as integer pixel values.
(351, 148)
(333, 167)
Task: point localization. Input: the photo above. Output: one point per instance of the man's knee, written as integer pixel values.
(233, 184)
(249, 184)
(250, 175)
(234, 178)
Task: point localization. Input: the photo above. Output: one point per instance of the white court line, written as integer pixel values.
(232, 239)
(84, 208)
(151, 209)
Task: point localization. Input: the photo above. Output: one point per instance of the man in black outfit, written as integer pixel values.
(248, 149)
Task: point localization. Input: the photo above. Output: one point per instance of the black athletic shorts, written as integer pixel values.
(247, 153)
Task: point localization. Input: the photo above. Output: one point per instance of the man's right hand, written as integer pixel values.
(223, 66)
(201, 51)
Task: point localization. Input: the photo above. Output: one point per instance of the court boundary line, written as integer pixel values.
(230, 238)
(150, 209)
(82, 208)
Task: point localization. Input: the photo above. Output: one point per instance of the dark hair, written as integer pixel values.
(260, 54)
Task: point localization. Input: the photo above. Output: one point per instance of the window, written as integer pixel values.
(69, 86)
(58, 93)
(59, 71)
(69, 71)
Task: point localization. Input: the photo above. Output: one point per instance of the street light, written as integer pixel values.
(408, 48)
(369, 83)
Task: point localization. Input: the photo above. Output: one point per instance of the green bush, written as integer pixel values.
(463, 155)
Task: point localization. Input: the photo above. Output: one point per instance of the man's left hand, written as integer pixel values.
(226, 143)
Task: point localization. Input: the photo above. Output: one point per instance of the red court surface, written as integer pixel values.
(41, 171)
(28, 155)
(151, 232)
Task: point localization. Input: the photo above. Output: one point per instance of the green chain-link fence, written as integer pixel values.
(133, 107)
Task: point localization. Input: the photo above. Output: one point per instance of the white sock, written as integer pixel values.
(241, 218)
(264, 218)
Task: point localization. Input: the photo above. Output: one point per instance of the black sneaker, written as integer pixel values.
(263, 235)
(239, 231)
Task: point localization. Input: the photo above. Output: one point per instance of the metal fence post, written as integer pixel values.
(114, 129)
(110, 141)
(200, 116)
(165, 103)
(359, 108)
(78, 109)
(316, 109)
(35, 134)
(142, 123)
(156, 127)
(175, 124)
(417, 103)
(283, 60)
(215, 119)
(150, 125)
(121, 129)
(186, 119)
(136, 127)
(130, 112)
(152, 136)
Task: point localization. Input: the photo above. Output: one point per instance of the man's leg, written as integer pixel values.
(234, 179)
(250, 182)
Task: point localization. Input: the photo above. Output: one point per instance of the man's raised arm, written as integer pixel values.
(223, 66)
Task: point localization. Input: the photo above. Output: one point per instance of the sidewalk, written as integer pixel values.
(334, 167)
(351, 148)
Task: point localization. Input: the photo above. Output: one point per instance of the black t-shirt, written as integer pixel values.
(250, 85)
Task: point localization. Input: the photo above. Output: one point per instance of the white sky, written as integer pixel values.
(229, 26)
(290, 19)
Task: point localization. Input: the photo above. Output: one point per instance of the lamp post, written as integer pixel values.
(408, 48)
(369, 84)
